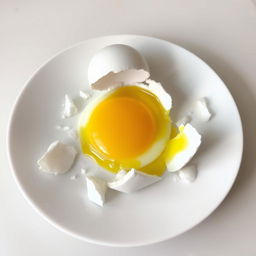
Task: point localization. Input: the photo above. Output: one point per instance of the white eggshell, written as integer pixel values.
(187, 174)
(96, 190)
(182, 158)
(70, 108)
(203, 109)
(132, 181)
(70, 131)
(64, 128)
(117, 65)
(84, 95)
(157, 89)
(58, 158)
(201, 112)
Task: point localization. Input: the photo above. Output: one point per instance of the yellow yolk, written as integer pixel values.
(123, 127)
(176, 145)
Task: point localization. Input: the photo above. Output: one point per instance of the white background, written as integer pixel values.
(221, 32)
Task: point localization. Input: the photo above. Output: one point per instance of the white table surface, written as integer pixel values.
(221, 32)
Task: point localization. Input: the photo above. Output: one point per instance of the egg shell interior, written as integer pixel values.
(116, 65)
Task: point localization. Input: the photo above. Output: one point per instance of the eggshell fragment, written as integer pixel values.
(96, 189)
(157, 89)
(69, 130)
(117, 65)
(183, 157)
(129, 182)
(187, 174)
(58, 158)
(63, 128)
(120, 174)
(70, 108)
(203, 109)
(201, 112)
(84, 95)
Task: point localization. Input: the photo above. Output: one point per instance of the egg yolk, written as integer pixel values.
(122, 127)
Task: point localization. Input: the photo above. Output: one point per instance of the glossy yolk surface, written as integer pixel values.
(122, 127)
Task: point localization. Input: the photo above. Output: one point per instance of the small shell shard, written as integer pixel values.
(96, 189)
(58, 158)
(129, 182)
(187, 174)
(84, 95)
(201, 113)
(70, 108)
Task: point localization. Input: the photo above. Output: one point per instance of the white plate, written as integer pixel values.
(165, 209)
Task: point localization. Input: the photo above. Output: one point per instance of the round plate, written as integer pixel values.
(159, 212)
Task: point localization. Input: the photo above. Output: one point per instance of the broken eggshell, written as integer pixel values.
(117, 64)
(201, 112)
(70, 108)
(58, 158)
(158, 90)
(96, 189)
(131, 181)
(187, 174)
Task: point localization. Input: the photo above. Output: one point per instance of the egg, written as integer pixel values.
(126, 126)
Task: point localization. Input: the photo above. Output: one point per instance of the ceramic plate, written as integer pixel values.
(163, 210)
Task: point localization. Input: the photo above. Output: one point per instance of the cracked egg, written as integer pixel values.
(127, 124)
